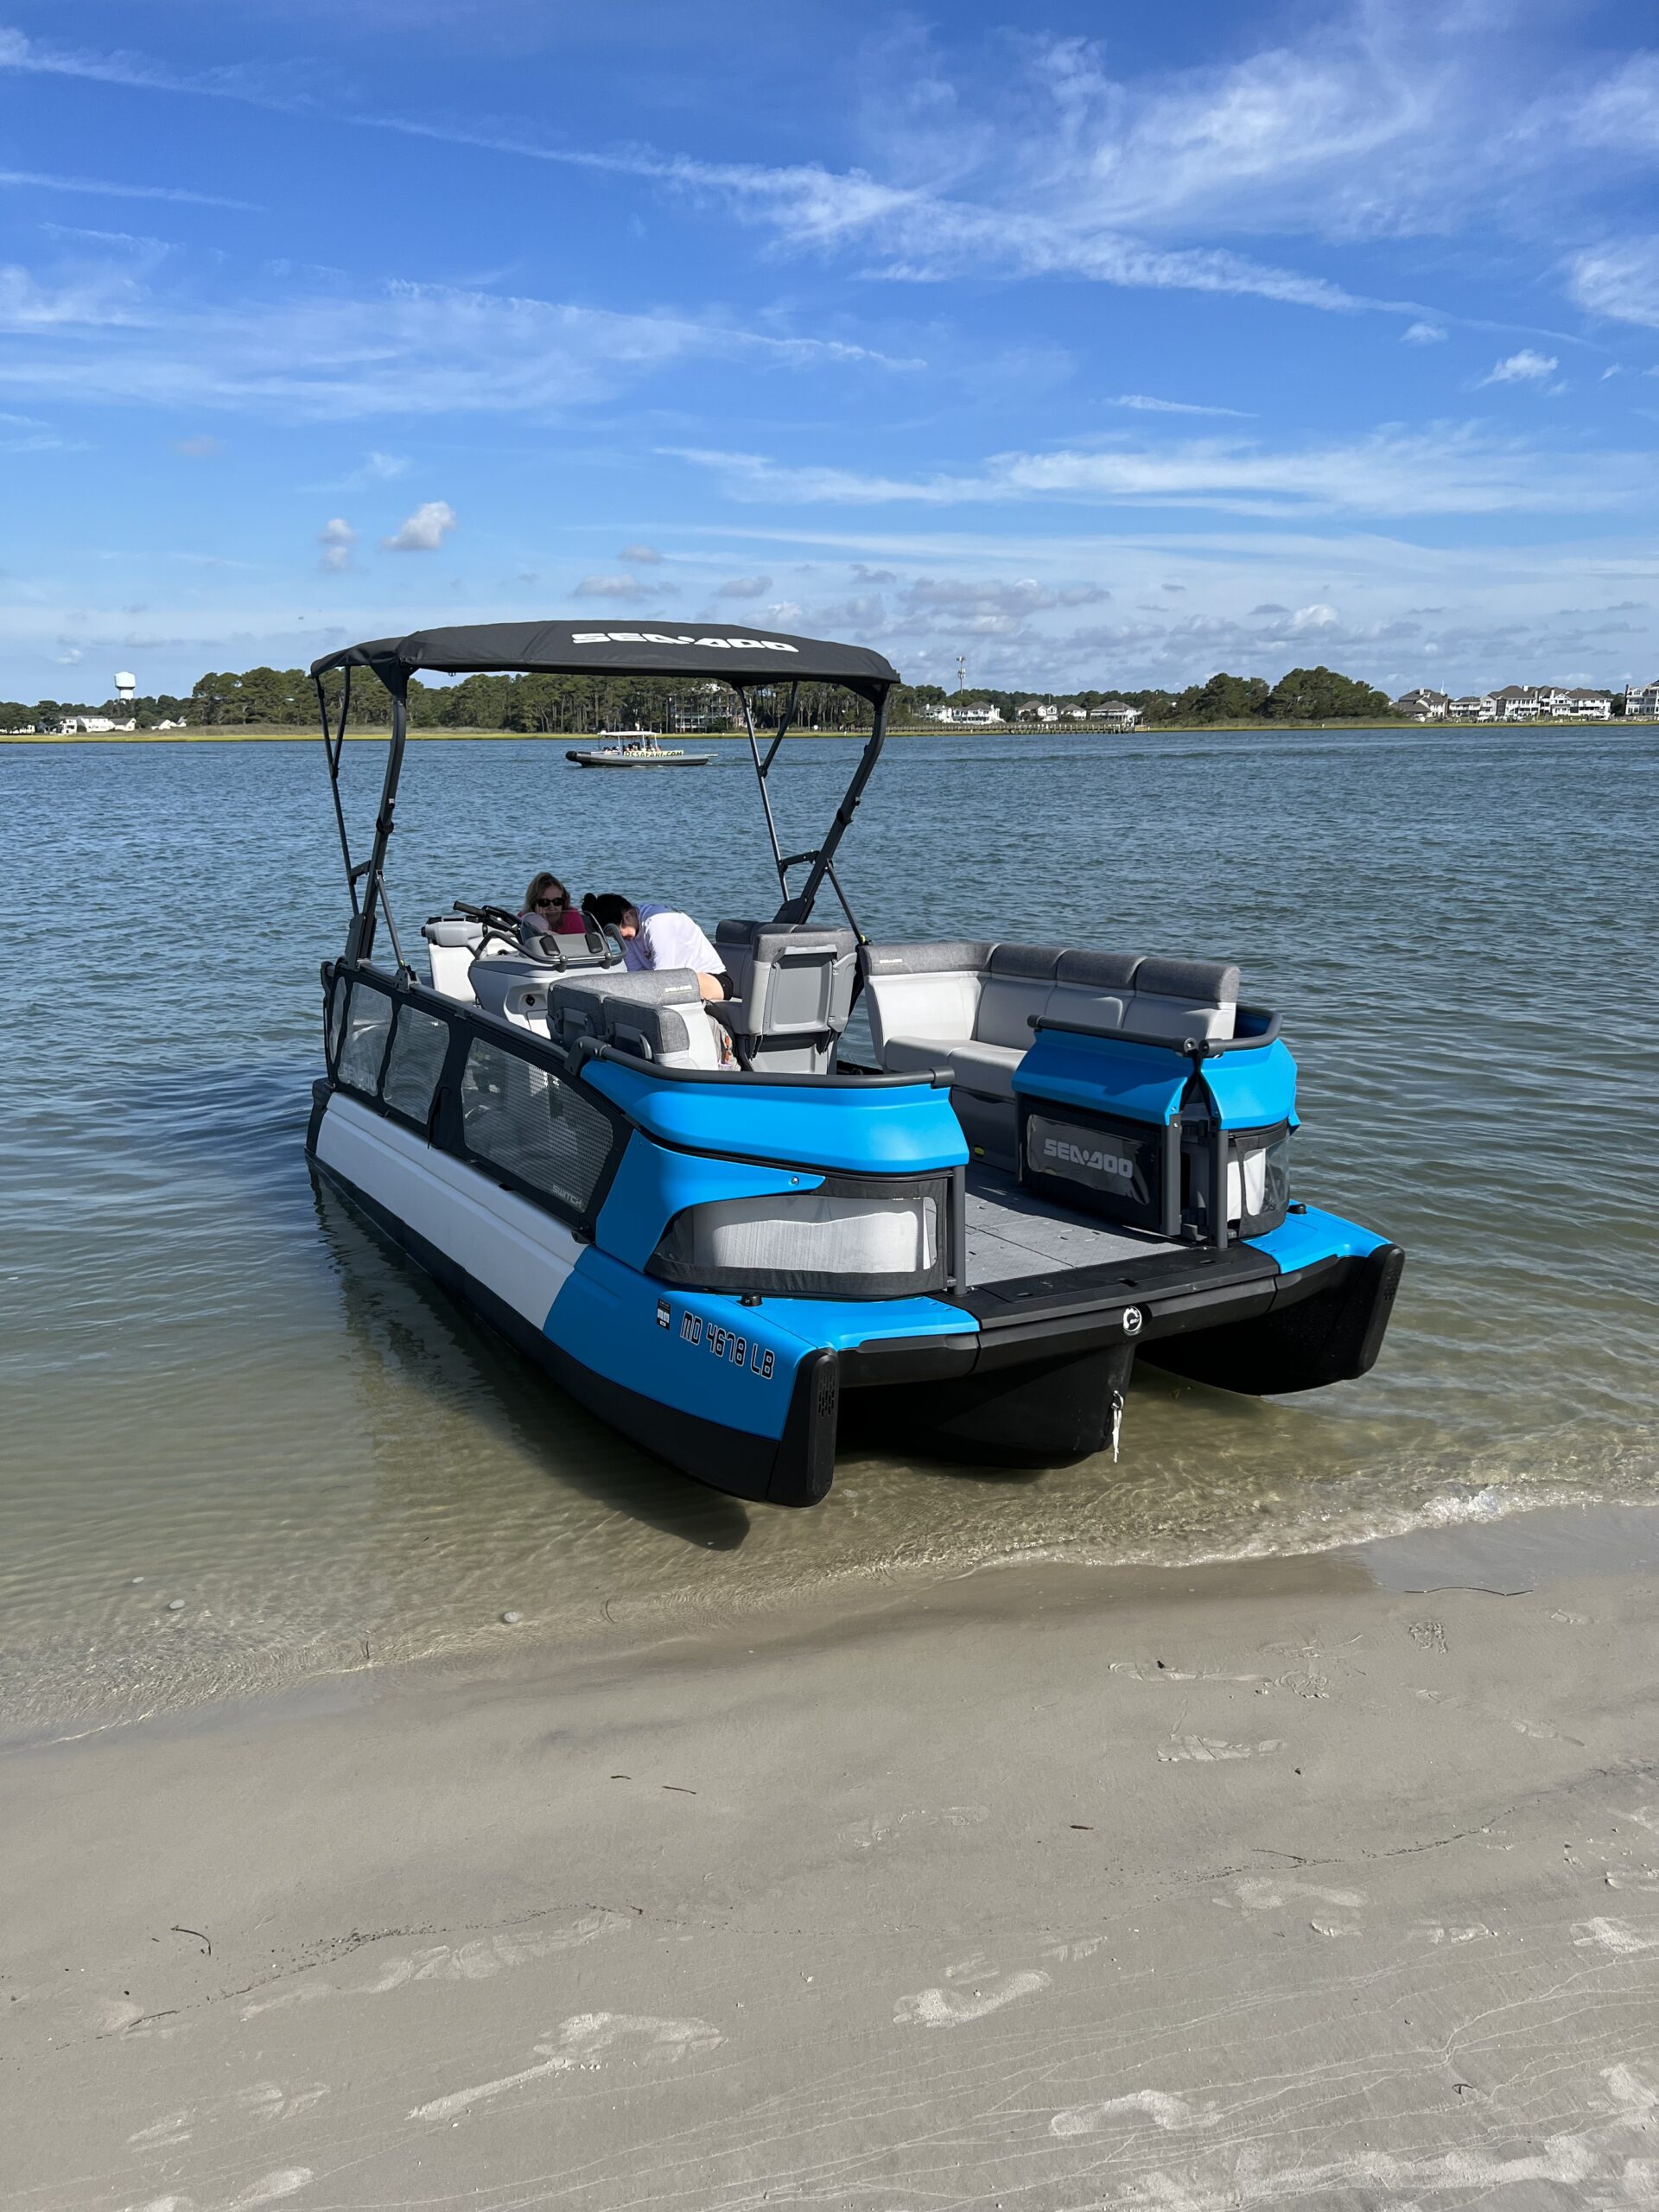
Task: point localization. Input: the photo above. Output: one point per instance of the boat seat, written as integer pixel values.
(658, 1014)
(969, 1006)
(452, 943)
(794, 985)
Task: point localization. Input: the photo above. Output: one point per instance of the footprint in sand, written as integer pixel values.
(1615, 1936)
(955, 2008)
(1211, 1747)
(1268, 1893)
(1156, 2105)
(579, 2042)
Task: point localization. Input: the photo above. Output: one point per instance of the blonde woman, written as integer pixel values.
(549, 909)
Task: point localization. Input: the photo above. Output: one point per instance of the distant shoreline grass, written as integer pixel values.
(692, 742)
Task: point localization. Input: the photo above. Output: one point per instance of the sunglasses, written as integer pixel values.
(553, 899)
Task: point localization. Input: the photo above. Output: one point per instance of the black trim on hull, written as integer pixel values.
(796, 1469)
(1329, 1334)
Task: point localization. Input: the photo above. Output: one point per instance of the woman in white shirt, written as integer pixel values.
(654, 936)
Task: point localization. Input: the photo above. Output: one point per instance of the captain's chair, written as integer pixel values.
(794, 984)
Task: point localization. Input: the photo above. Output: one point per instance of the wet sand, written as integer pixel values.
(1328, 1882)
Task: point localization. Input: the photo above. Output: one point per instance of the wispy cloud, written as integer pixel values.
(1528, 366)
(39, 180)
(616, 587)
(1450, 470)
(1423, 334)
(1619, 279)
(412, 350)
(1143, 403)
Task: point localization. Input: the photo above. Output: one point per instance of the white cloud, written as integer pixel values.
(39, 180)
(743, 587)
(1422, 333)
(424, 531)
(1619, 279)
(615, 587)
(338, 542)
(1525, 367)
(645, 557)
(415, 349)
(377, 467)
(1449, 469)
(1619, 111)
(1143, 403)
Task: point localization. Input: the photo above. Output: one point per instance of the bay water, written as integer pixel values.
(218, 1386)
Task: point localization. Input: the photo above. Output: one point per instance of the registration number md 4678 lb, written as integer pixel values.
(729, 1345)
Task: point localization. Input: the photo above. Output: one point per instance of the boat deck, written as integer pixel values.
(1013, 1234)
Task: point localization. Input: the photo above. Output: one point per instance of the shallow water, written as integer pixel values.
(216, 1380)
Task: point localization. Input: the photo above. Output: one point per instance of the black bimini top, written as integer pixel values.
(619, 646)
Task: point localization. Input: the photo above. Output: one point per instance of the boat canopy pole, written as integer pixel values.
(823, 861)
(360, 939)
(762, 768)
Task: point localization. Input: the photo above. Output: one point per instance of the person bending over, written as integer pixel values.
(659, 936)
(548, 909)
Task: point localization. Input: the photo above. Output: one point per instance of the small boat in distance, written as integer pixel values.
(635, 748)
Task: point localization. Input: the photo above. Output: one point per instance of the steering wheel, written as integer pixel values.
(497, 922)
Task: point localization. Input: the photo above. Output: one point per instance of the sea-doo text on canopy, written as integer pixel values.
(719, 1235)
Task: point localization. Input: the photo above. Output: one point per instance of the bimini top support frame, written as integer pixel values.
(747, 661)
(370, 873)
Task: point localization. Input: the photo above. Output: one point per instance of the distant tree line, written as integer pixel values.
(283, 698)
(1302, 694)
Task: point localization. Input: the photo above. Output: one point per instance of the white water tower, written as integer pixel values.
(125, 685)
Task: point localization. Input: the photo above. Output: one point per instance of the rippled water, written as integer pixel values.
(216, 1380)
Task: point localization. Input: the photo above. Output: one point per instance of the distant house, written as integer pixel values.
(1423, 706)
(91, 725)
(1070, 711)
(1588, 706)
(976, 714)
(1037, 710)
(168, 725)
(1483, 709)
(1115, 713)
(1519, 702)
(1641, 702)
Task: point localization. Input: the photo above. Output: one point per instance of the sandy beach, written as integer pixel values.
(1331, 1881)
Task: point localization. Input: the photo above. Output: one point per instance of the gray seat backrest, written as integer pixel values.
(794, 990)
(1178, 999)
(659, 1013)
(923, 991)
(1019, 986)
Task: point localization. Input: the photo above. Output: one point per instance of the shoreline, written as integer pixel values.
(1318, 1882)
(222, 736)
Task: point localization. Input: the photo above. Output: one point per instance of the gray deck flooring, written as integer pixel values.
(1011, 1234)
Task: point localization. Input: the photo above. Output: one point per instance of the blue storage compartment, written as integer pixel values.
(1190, 1142)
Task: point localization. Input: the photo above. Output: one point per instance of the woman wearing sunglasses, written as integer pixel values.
(549, 909)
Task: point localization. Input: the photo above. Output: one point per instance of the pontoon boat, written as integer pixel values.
(715, 1229)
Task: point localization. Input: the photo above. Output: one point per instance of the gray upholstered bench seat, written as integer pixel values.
(969, 1006)
(658, 1014)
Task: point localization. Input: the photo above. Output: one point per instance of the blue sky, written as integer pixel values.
(1107, 345)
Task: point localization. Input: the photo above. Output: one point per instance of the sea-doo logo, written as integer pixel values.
(1133, 1320)
(1100, 1162)
(662, 638)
